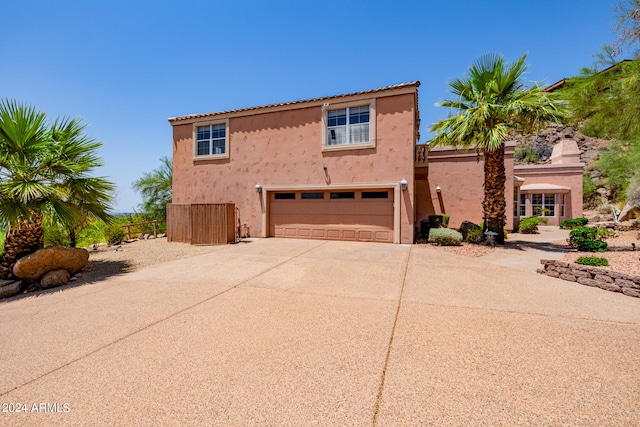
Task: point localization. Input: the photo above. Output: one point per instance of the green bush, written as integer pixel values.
(573, 223)
(603, 233)
(114, 233)
(475, 235)
(436, 221)
(592, 260)
(445, 237)
(530, 225)
(55, 236)
(445, 221)
(526, 154)
(589, 190)
(586, 240)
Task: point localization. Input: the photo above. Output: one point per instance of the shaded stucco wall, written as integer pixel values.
(566, 175)
(460, 176)
(284, 148)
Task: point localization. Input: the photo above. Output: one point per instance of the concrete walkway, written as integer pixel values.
(298, 332)
(524, 251)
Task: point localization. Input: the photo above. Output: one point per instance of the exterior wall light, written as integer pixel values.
(403, 184)
(258, 188)
(438, 189)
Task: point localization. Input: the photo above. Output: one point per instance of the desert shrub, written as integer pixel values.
(592, 260)
(436, 221)
(445, 237)
(467, 226)
(589, 190)
(526, 154)
(475, 235)
(573, 223)
(530, 225)
(55, 235)
(114, 233)
(586, 240)
(604, 233)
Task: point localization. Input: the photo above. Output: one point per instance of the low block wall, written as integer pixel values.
(628, 284)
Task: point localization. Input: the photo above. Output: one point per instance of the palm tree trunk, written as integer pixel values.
(72, 237)
(20, 241)
(494, 204)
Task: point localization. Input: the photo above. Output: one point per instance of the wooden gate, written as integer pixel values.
(201, 224)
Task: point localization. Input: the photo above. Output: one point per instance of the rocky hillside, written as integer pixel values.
(537, 149)
(542, 143)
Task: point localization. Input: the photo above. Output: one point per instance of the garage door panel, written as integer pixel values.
(333, 219)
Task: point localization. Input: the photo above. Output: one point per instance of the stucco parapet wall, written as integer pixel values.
(557, 169)
(449, 152)
(399, 89)
(613, 281)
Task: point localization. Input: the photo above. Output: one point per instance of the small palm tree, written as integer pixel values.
(491, 101)
(155, 188)
(44, 173)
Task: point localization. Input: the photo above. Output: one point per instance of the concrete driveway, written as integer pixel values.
(300, 332)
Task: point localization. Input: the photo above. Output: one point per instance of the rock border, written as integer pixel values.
(613, 281)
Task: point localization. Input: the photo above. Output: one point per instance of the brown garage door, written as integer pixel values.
(364, 215)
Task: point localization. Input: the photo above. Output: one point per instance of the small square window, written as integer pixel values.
(284, 196)
(343, 195)
(314, 195)
(375, 194)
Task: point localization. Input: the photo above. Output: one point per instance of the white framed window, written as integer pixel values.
(523, 205)
(211, 140)
(349, 125)
(543, 204)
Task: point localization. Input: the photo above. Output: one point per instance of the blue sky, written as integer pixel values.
(126, 66)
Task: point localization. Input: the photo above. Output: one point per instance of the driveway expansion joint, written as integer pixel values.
(388, 356)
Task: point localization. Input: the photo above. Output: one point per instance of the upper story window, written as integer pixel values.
(349, 125)
(212, 140)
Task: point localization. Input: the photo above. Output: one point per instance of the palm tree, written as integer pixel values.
(155, 188)
(44, 173)
(491, 101)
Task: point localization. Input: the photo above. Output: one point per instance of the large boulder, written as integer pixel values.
(55, 278)
(35, 265)
(629, 212)
(9, 288)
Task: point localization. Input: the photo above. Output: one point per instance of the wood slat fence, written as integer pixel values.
(201, 224)
(154, 229)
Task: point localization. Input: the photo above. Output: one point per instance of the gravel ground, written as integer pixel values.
(621, 256)
(109, 260)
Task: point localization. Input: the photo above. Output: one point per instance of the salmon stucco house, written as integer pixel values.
(338, 167)
(346, 167)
